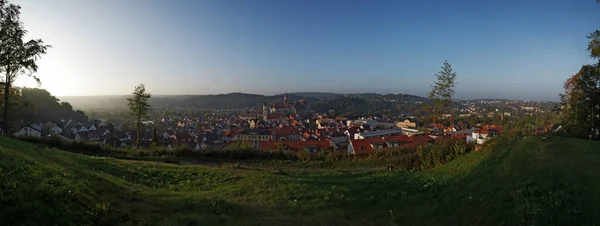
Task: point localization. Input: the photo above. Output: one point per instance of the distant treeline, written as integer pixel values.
(38, 105)
(347, 105)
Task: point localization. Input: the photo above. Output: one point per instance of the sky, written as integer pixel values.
(512, 49)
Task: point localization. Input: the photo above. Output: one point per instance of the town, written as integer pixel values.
(299, 112)
(293, 126)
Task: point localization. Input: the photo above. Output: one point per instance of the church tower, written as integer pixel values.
(285, 99)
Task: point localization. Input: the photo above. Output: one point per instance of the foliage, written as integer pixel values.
(38, 105)
(17, 56)
(542, 182)
(594, 44)
(581, 100)
(139, 107)
(442, 89)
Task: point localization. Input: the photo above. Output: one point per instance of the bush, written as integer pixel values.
(422, 157)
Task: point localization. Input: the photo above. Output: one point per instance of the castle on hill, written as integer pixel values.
(282, 110)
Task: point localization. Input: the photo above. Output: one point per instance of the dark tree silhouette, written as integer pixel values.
(17, 56)
(139, 107)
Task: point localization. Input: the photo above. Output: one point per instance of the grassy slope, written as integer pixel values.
(524, 182)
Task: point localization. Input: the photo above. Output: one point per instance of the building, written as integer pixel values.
(249, 115)
(301, 107)
(325, 123)
(254, 136)
(406, 124)
(361, 122)
(378, 133)
(384, 125)
(285, 133)
(369, 145)
(410, 132)
(339, 138)
(28, 131)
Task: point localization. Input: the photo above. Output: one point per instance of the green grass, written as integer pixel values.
(517, 182)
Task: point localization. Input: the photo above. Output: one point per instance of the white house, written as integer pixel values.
(479, 136)
(92, 128)
(56, 130)
(339, 138)
(29, 131)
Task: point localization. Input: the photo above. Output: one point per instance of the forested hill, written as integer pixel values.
(319, 101)
(38, 105)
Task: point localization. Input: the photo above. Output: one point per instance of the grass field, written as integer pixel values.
(528, 181)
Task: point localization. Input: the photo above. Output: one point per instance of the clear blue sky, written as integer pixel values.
(517, 49)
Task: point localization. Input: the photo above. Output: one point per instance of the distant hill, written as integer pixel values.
(223, 101)
(317, 95)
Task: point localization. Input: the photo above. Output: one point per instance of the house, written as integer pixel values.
(351, 131)
(95, 136)
(479, 136)
(339, 138)
(363, 146)
(188, 139)
(378, 133)
(56, 130)
(81, 136)
(384, 125)
(28, 131)
(285, 133)
(255, 136)
(324, 123)
(310, 146)
(410, 132)
(397, 141)
(368, 145)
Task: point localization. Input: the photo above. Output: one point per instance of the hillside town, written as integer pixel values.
(280, 126)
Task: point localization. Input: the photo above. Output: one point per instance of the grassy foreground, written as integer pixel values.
(528, 181)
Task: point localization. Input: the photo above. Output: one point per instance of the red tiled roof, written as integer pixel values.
(364, 145)
(284, 132)
(422, 139)
(276, 116)
(493, 128)
(401, 139)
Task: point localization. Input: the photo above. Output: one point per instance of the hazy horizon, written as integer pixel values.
(500, 50)
(275, 94)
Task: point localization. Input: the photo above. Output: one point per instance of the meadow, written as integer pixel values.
(511, 181)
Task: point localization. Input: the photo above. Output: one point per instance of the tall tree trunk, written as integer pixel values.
(5, 116)
(138, 125)
(434, 115)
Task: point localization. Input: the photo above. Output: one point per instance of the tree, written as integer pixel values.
(594, 44)
(442, 90)
(17, 56)
(581, 100)
(139, 107)
(154, 137)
